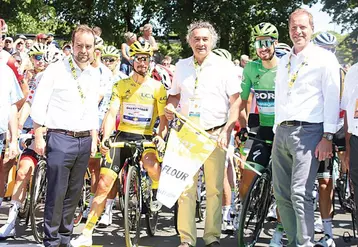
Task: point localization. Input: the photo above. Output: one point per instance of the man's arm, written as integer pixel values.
(243, 113)
(24, 114)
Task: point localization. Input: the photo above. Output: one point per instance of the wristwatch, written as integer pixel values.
(328, 136)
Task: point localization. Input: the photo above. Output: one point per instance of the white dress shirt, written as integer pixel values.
(10, 93)
(350, 99)
(58, 104)
(217, 81)
(314, 96)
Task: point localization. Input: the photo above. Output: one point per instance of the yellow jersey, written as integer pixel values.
(139, 104)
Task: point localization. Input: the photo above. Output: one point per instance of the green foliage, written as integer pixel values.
(172, 49)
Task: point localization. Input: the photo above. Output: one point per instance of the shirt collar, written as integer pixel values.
(208, 60)
(305, 52)
(89, 66)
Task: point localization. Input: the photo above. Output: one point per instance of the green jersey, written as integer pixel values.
(262, 81)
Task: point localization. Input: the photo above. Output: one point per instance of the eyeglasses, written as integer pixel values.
(20, 43)
(141, 59)
(39, 57)
(264, 43)
(8, 41)
(108, 59)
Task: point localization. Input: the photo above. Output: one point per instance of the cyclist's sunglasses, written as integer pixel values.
(264, 43)
(39, 57)
(139, 59)
(108, 59)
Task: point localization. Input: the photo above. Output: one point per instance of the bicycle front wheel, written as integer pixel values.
(132, 207)
(37, 201)
(254, 210)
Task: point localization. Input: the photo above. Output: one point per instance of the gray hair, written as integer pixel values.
(202, 24)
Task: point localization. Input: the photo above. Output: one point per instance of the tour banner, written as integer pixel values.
(188, 147)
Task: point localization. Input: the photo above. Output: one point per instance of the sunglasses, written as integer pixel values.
(8, 41)
(39, 57)
(108, 59)
(141, 59)
(3, 36)
(20, 43)
(264, 43)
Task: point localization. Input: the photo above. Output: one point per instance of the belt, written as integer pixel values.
(216, 127)
(295, 123)
(76, 134)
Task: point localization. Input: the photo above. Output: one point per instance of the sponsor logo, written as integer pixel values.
(264, 95)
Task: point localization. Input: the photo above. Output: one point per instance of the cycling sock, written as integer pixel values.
(14, 210)
(155, 184)
(109, 205)
(327, 226)
(233, 197)
(279, 227)
(90, 225)
(226, 213)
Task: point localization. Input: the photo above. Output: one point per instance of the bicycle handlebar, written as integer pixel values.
(129, 144)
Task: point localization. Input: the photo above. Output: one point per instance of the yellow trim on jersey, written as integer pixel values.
(109, 172)
(140, 104)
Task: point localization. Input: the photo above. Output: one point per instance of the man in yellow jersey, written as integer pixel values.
(140, 100)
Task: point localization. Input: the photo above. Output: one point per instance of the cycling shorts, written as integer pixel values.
(339, 139)
(29, 154)
(119, 155)
(260, 152)
(325, 169)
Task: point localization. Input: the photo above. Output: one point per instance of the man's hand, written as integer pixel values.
(324, 150)
(103, 149)
(94, 148)
(168, 111)
(224, 138)
(241, 136)
(40, 144)
(160, 143)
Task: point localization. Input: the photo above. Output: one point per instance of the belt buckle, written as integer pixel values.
(288, 124)
(76, 134)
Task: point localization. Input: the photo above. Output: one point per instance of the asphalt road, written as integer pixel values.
(166, 235)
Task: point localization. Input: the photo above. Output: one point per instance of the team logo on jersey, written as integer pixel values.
(264, 95)
(147, 95)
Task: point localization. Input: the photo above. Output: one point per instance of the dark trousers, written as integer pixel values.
(67, 160)
(353, 167)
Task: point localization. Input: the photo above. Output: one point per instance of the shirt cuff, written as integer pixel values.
(330, 128)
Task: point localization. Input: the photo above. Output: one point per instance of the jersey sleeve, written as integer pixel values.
(116, 94)
(161, 98)
(246, 83)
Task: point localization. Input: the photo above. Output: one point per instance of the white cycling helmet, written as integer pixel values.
(37, 49)
(163, 75)
(52, 54)
(282, 49)
(111, 51)
(325, 39)
(223, 53)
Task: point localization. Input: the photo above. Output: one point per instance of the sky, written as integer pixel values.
(322, 21)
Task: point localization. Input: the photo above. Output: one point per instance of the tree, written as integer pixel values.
(233, 19)
(345, 12)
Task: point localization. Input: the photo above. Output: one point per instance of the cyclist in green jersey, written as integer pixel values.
(260, 76)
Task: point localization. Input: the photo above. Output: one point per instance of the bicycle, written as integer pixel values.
(256, 204)
(137, 192)
(38, 198)
(84, 199)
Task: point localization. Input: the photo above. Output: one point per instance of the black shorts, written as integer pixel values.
(119, 155)
(260, 152)
(253, 122)
(339, 139)
(325, 169)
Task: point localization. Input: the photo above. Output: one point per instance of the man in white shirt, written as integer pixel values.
(66, 103)
(350, 105)
(210, 82)
(306, 116)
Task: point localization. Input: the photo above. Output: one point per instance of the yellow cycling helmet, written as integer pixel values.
(140, 48)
